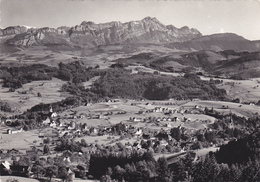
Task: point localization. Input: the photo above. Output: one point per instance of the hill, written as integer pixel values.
(218, 42)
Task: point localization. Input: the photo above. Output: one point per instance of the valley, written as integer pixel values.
(76, 102)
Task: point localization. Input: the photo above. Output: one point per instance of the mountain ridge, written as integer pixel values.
(147, 30)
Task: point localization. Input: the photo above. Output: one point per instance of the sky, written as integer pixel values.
(208, 16)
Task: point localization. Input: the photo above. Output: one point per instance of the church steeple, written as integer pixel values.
(51, 110)
(231, 122)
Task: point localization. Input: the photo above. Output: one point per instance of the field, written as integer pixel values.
(105, 139)
(20, 179)
(19, 141)
(27, 139)
(244, 110)
(132, 108)
(21, 101)
(245, 90)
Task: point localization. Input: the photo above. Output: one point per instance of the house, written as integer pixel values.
(13, 152)
(168, 125)
(169, 119)
(164, 119)
(137, 119)
(9, 131)
(18, 170)
(79, 170)
(53, 115)
(46, 121)
(82, 116)
(137, 145)
(139, 132)
(163, 142)
(34, 151)
(146, 136)
(72, 126)
(88, 104)
(6, 164)
(14, 131)
(53, 124)
(158, 119)
(157, 109)
(93, 130)
(5, 168)
(67, 160)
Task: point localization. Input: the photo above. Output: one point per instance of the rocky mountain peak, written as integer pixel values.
(147, 30)
(84, 23)
(13, 30)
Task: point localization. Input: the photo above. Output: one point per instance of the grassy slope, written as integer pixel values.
(21, 102)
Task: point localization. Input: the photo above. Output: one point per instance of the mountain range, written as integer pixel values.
(148, 30)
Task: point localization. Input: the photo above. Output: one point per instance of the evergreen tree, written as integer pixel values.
(163, 171)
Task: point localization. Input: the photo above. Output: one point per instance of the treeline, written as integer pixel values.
(113, 83)
(224, 121)
(15, 76)
(240, 151)
(206, 169)
(237, 161)
(120, 83)
(76, 72)
(113, 164)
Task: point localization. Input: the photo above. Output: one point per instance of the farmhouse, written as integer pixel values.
(136, 119)
(5, 165)
(12, 131)
(13, 152)
(139, 132)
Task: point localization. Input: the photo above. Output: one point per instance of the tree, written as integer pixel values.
(142, 171)
(47, 140)
(51, 171)
(46, 149)
(38, 169)
(83, 142)
(118, 172)
(235, 173)
(24, 161)
(50, 161)
(206, 169)
(163, 172)
(63, 173)
(210, 136)
(39, 94)
(176, 133)
(105, 178)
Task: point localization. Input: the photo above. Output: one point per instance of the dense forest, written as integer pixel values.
(236, 161)
(114, 82)
(15, 76)
(120, 83)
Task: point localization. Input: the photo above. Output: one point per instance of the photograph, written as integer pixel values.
(129, 90)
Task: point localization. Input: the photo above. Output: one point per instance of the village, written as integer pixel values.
(164, 128)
